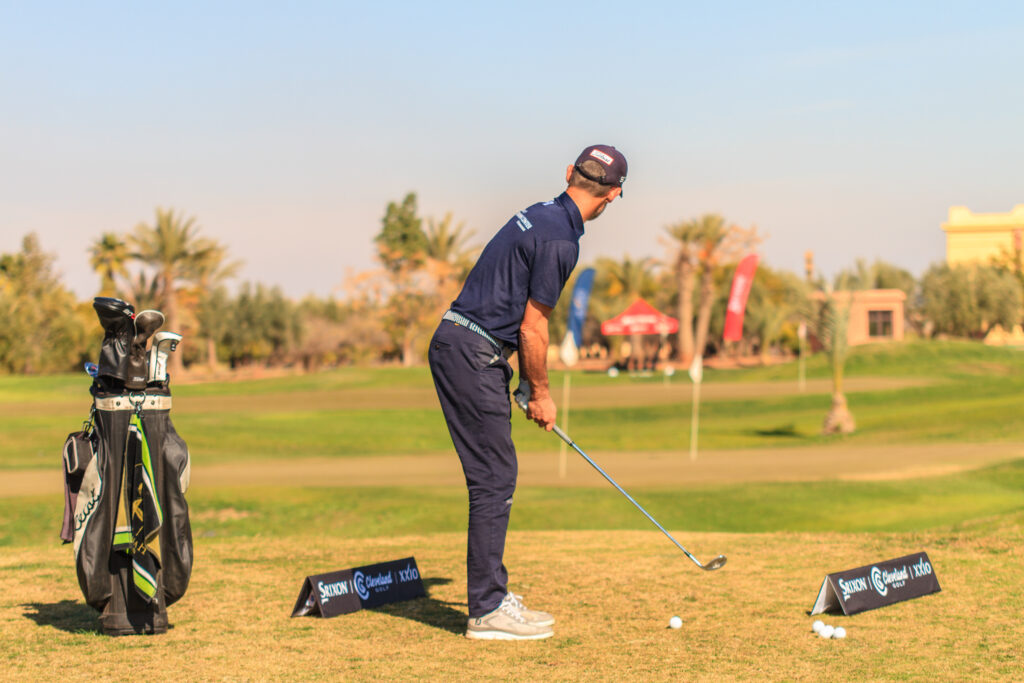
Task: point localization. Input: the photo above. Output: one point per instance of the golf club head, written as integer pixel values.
(714, 564)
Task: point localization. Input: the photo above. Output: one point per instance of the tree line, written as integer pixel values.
(386, 314)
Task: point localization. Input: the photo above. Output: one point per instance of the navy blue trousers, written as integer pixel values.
(472, 380)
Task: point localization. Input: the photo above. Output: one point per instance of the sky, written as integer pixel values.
(284, 129)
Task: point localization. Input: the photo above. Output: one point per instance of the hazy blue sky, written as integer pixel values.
(285, 128)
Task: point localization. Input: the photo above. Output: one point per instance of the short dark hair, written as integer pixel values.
(581, 181)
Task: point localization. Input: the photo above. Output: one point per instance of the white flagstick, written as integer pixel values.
(562, 449)
(697, 375)
(801, 334)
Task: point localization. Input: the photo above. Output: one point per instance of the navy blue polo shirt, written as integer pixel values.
(531, 257)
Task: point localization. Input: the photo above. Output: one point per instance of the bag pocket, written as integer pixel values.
(79, 450)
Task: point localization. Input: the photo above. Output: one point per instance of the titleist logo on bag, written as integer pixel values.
(877, 585)
(350, 590)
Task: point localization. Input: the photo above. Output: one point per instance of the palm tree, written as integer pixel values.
(447, 244)
(833, 322)
(712, 233)
(683, 250)
(172, 247)
(108, 256)
(448, 257)
(143, 290)
(209, 272)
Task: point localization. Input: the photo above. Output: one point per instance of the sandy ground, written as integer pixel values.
(612, 593)
(649, 469)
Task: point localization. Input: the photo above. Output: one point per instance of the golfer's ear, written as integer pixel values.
(568, 172)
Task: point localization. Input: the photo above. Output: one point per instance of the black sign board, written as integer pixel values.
(877, 585)
(350, 590)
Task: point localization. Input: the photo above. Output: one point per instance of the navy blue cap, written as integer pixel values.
(611, 160)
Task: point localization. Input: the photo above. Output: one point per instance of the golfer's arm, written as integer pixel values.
(533, 348)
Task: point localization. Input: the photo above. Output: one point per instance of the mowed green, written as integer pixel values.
(580, 551)
(913, 393)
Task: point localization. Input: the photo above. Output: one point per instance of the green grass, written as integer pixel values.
(889, 506)
(571, 549)
(975, 397)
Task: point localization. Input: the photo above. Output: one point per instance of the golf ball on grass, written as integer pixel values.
(840, 632)
(675, 622)
(818, 625)
(827, 631)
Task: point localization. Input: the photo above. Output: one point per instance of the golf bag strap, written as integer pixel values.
(130, 402)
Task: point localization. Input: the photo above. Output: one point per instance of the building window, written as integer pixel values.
(880, 324)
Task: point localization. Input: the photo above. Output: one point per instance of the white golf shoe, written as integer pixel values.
(506, 622)
(532, 616)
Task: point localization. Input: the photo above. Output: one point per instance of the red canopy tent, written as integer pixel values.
(640, 318)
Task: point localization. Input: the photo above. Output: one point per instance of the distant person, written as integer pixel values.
(504, 307)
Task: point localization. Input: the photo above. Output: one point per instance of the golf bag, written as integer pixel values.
(126, 475)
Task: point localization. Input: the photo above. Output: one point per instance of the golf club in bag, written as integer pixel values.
(522, 398)
(126, 475)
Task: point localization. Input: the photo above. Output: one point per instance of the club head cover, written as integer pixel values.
(146, 323)
(163, 343)
(115, 317)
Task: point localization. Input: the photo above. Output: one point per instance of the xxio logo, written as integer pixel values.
(878, 582)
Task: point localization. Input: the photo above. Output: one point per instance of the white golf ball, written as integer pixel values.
(840, 632)
(818, 625)
(675, 622)
(826, 631)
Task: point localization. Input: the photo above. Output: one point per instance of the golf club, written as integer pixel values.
(158, 356)
(522, 397)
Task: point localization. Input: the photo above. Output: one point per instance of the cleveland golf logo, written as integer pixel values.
(878, 582)
(882, 579)
(360, 583)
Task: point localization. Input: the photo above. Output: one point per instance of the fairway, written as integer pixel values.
(296, 476)
(647, 469)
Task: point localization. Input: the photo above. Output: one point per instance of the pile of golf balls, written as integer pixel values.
(826, 631)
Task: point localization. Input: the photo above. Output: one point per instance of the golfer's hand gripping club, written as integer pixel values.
(522, 398)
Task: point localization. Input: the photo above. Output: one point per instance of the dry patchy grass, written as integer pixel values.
(612, 593)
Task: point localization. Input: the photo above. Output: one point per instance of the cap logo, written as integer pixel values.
(601, 156)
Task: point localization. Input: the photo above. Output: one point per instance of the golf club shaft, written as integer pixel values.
(572, 444)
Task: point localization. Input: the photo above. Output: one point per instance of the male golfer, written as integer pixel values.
(504, 307)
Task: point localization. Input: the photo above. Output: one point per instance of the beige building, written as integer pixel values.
(876, 315)
(978, 237)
